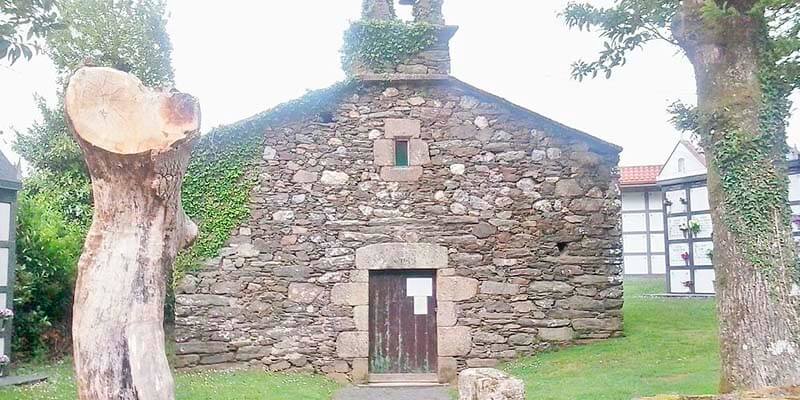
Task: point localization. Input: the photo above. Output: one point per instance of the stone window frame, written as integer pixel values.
(453, 341)
(384, 150)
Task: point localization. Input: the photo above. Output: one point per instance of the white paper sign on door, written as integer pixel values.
(419, 287)
(420, 305)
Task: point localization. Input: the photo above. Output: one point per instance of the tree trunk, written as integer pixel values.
(754, 254)
(136, 143)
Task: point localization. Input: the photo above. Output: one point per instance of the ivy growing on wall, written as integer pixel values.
(381, 45)
(216, 189)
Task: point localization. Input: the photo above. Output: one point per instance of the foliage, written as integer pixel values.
(48, 246)
(685, 361)
(752, 178)
(381, 45)
(129, 35)
(55, 210)
(69, 193)
(217, 186)
(21, 23)
(48, 145)
(208, 385)
(684, 117)
(625, 27)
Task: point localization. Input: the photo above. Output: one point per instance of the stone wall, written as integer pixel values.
(528, 217)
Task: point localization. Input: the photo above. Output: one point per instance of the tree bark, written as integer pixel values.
(137, 144)
(759, 321)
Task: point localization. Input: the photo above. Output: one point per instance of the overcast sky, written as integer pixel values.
(251, 55)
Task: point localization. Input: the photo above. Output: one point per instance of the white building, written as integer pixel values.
(666, 220)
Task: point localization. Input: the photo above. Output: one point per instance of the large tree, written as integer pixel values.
(746, 58)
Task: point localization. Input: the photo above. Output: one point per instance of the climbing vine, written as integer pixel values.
(216, 189)
(381, 45)
(752, 174)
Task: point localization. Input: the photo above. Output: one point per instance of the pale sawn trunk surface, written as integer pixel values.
(137, 144)
(758, 316)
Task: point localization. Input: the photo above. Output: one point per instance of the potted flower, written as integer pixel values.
(685, 257)
(684, 227)
(4, 362)
(5, 318)
(694, 227)
(796, 220)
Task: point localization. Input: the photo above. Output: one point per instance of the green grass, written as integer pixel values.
(670, 347)
(212, 385)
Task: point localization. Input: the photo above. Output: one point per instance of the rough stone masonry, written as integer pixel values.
(518, 215)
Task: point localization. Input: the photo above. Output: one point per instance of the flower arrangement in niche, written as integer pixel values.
(684, 227)
(796, 220)
(694, 227)
(685, 256)
(683, 201)
(4, 362)
(688, 284)
(710, 254)
(5, 318)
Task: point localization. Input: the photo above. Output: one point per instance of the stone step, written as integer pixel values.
(403, 380)
(22, 380)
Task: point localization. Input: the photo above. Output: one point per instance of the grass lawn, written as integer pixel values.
(239, 385)
(670, 347)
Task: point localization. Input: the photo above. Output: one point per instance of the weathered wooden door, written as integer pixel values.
(402, 322)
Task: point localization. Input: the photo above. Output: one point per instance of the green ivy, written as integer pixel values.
(753, 173)
(381, 45)
(216, 189)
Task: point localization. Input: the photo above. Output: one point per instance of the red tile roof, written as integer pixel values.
(638, 175)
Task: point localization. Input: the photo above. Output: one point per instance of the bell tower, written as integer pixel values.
(431, 61)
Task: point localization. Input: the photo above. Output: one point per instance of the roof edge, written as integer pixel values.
(559, 126)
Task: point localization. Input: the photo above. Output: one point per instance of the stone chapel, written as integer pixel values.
(417, 227)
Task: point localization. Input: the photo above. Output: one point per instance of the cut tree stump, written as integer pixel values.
(136, 143)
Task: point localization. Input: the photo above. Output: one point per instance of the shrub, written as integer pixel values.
(48, 247)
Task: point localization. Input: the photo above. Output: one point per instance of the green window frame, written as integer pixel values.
(401, 153)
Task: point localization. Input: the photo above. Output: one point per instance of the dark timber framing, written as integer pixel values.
(689, 239)
(794, 169)
(9, 186)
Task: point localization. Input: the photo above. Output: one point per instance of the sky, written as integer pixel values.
(251, 55)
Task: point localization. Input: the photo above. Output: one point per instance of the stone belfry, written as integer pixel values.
(431, 63)
(378, 9)
(427, 10)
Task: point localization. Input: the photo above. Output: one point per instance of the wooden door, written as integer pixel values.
(402, 322)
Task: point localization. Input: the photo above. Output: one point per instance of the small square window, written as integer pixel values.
(401, 153)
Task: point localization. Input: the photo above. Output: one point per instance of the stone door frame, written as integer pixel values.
(453, 341)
